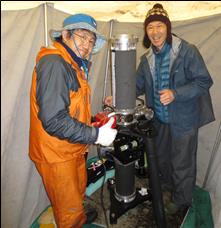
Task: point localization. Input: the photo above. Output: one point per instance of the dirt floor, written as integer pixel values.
(140, 216)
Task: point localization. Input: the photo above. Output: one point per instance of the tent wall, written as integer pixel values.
(23, 195)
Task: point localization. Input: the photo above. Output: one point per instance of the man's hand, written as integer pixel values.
(166, 96)
(106, 134)
(108, 101)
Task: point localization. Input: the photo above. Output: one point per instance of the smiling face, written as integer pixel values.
(157, 33)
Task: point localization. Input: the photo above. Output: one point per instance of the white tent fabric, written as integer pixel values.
(23, 195)
(124, 11)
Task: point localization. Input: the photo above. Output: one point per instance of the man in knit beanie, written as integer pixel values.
(157, 13)
(175, 81)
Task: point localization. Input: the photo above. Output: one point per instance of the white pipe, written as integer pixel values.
(107, 61)
(111, 114)
(113, 79)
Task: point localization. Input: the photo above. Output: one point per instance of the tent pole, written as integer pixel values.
(212, 157)
(107, 61)
(46, 23)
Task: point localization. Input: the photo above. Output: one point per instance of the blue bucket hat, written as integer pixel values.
(81, 21)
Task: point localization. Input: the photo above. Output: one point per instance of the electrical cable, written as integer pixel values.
(102, 186)
(95, 202)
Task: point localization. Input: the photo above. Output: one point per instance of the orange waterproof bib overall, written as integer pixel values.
(61, 164)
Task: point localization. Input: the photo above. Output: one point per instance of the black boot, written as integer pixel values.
(183, 211)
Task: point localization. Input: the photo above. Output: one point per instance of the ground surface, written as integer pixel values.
(139, 217)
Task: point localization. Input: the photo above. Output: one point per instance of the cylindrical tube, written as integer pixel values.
(125, 70)
(125, 181)
(123, 49)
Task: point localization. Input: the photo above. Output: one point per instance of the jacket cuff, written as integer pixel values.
(94, 134)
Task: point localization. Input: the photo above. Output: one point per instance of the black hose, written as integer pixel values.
(157, 199)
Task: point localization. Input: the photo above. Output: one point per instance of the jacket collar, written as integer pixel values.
(176, 43)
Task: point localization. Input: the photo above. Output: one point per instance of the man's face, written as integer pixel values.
(157, 33)
(85, 41)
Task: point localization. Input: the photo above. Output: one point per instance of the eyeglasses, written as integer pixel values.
(84, 38)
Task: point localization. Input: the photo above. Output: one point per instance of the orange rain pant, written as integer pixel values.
(65, 184)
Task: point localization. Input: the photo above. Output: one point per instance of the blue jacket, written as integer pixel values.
(190, 80)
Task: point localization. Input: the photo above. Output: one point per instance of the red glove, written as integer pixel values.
(102, 118)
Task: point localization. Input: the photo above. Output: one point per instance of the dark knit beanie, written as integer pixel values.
(157, 13)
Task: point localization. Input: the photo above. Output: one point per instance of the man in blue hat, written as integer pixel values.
(60, 118)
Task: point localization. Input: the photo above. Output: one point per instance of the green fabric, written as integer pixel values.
(200, 214)
(35, 224)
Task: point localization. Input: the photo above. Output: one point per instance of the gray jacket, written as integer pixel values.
(190, 80)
